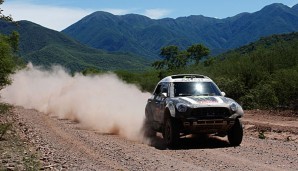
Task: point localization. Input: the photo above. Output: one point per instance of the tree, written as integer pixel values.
(181, 59)
(197, 51)
(158, 64)
(7, 64)
(2, 16)
(169, 52)
(8, 48)
(173, 58)
(14, 41)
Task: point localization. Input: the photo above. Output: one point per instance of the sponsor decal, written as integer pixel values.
(204, 100)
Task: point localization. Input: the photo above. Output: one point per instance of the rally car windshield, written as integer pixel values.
(195, 89)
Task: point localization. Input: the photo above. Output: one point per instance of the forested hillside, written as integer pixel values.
(47, 47)
(263, 74)
(145, 36)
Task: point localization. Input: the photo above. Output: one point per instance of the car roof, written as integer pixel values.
(186, 78)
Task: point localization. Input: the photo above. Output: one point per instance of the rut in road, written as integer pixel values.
(74, 145)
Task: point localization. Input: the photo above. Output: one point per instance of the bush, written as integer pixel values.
(146, 80)
(262, 97)
(266, 97)
(248, 101)
(4, 126)
(285, 84)
(233, 87)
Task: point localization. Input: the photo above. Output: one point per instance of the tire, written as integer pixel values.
(147, 128)
(235, 134)
(171, 132)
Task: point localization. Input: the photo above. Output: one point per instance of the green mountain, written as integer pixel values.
(266, 43)
(46, 47)
(144, 36)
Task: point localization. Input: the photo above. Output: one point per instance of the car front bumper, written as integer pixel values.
(209, 126)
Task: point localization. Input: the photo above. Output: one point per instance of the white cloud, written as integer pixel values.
(56, 18)
(156, 13)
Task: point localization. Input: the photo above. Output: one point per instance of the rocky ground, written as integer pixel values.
(38, 141)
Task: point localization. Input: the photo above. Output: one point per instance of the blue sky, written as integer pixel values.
(59, 14)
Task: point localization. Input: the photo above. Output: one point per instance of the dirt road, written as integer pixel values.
(66, 145)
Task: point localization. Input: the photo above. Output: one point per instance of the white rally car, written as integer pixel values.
(192, 104)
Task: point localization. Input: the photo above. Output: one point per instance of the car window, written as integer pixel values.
(157, 90)
(164, 88)
(195, 89)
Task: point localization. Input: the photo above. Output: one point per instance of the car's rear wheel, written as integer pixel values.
(147, 128)
(171, 132)
(235, 134)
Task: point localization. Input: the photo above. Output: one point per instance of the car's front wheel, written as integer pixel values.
(171, 132)
(235, 134)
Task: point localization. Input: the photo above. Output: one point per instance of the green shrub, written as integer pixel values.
(262, 97)
(4, 108)
(285, 85)
(233, 87)
(262, 135)
(248, 101)
(266, 97)
(4, 127)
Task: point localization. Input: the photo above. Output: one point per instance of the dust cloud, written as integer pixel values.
(103, 102)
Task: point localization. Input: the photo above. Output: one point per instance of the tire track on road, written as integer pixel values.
(73, 145)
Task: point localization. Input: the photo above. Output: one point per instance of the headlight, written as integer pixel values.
(181, 107)
(234, 107)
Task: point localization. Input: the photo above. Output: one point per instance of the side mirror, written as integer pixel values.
(223, 93)
(164, 95)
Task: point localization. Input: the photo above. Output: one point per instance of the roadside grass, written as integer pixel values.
(4, 108)
(4, 127)
(4, 124)
(31, 163)
(262, 135)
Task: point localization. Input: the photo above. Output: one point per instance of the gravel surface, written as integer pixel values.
(66, 145)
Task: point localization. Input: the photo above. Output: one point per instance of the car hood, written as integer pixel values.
(205, 101)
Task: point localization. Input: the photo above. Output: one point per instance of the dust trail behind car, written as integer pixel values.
(103, 102)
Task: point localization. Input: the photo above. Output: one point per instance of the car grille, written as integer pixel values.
(211, 112)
